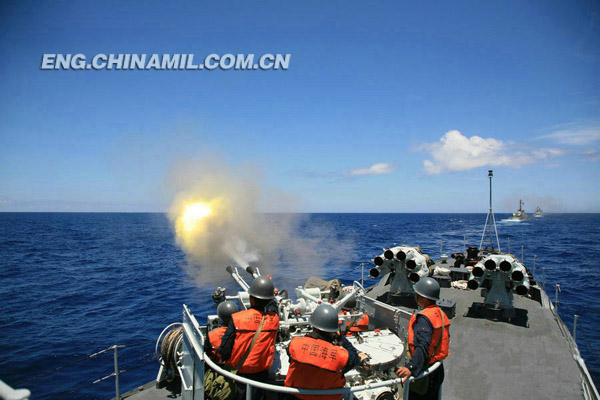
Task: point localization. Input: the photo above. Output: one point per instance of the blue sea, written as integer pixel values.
(72, 284)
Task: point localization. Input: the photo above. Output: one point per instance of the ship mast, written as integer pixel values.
(492, 221)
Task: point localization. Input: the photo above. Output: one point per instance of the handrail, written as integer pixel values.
(285, 389)
(423, 374)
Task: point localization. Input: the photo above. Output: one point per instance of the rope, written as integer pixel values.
(169, 348)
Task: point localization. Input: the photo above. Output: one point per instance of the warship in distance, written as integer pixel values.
(520, 214)
(538, 212)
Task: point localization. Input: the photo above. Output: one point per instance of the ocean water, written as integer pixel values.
(72, 284)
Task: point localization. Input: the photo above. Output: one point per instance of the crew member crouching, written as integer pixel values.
(428, 341)
(224, 311)
(358, 323)
(316, 360)
(252, 363)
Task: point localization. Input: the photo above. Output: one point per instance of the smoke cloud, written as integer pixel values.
(216, 219)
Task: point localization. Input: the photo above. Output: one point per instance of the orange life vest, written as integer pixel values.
(356, 324)
(316, 364)
(434, 315)
(262, 354)
(215, 336)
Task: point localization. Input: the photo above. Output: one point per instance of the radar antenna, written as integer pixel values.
(492, 221)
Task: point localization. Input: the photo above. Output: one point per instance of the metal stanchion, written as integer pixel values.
(117, 394)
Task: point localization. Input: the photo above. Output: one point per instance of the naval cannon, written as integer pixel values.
(500, 276)
(383, 346)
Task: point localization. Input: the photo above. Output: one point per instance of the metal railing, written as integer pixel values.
(116, 372)
(192, 370)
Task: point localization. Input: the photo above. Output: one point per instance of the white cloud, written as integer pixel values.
(575, 137)
(591, 155)
(455, 152)
(375, 169)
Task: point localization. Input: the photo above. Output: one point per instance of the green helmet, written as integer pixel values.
(428, 288)
(324, 318)
(225, 310)
(262, 288)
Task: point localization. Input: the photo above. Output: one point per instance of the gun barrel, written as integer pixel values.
(236, 276)
(253, 271)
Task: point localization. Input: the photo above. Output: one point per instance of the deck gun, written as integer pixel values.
(293, 315)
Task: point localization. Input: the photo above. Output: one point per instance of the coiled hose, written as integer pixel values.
(171, 344)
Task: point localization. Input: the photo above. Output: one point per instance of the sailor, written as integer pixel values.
(428, 340)
(224, 310)
(358, 323)
(252, 362)
(320, 359)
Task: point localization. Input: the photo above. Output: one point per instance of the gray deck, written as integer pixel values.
(492, 359)
(149, 392)
(498, 360)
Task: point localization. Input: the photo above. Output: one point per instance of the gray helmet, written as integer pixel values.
(262, 288)
(428, 288)
(225, 310)
(324, 318)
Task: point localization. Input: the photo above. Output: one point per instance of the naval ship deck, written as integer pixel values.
(500, 360)
(531, 357)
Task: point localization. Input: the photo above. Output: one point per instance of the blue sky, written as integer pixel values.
(386, 107)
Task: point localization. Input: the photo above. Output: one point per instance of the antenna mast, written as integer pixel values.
(491, 220)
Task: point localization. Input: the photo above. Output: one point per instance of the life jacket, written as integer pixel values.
(434, 314)
(316, 364)
(262, 354)
(215, 336)
(356, 324)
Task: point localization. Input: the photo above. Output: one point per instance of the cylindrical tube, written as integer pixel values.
(505, 266)
(490, 264)
(388, 254)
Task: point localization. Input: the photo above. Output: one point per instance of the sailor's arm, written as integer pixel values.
(354, 357)
(423, 330)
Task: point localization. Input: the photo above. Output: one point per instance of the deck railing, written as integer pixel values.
(191, 370)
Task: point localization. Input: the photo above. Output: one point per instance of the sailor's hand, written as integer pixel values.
(403, 373)
(364, 360)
